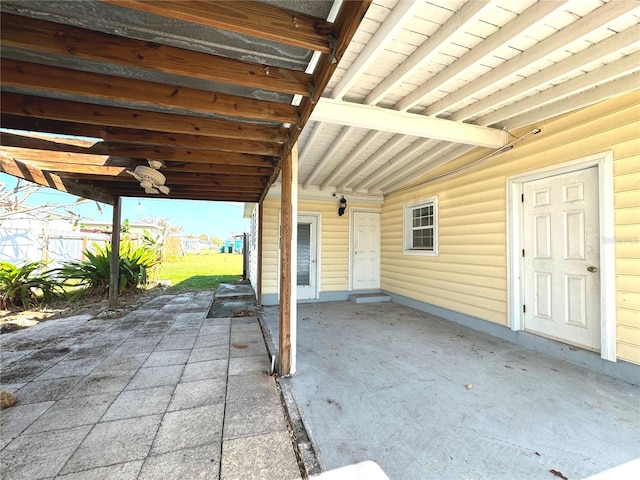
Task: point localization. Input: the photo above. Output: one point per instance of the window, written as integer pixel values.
(421, 227)
(254, 228)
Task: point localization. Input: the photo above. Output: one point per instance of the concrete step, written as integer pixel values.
(228, 290)
(369, 298)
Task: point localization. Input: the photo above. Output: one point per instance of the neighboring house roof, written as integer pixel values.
(213, 92)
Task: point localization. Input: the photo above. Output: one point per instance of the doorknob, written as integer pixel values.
(592, 269)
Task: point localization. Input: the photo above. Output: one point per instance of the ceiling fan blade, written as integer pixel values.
(133, 174)
(151, 190)
(164, 189)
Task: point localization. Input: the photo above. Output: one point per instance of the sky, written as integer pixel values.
(218, 219)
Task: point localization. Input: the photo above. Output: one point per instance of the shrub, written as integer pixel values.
(95, 271)
(20, 285)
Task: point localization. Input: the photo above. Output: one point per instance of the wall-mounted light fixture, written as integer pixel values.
(342, 207)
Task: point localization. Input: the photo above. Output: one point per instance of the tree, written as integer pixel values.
(167, 227)
(14, 204)
(216, 240)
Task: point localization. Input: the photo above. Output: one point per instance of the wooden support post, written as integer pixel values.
(114, 279)
(288, 262)
(259, 257)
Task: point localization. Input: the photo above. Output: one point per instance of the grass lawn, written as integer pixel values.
(204, 270)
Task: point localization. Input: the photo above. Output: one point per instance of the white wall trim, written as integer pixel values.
(314, 193)
(604, 163)
(351, 227)
(318, 217)
(406, 221)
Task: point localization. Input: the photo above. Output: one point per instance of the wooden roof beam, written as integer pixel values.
(62, 157)
(143, 137)
(347, 22)
(464, 16)
(578, 88)
(350, 158)
(47, 108)
(376, 118)
(598, 18)
(615, 43)
(604, 91)
(171, 182)
(532, 16)
(53, 38)
(368, 164)
(186, 155)
(148, 94)
(434, 158)
(313, 137)
(397, 162)
(44, 142)
(400, 15)
(78, 169)
(178, 193)
(128, 182)
(47, 179)
(248, 18)
(328, 155)
(101, 153)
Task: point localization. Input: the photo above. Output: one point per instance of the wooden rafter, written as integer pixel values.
(48, 179)
(457, 23)
(81, 170)
(47, 108)
(108, 102)
(72, 158)
(197, 184)
(53, 38)
(141, 93)
(100, 156)
(143, 137)
(597, 18)
(345, 26)
(248, 18)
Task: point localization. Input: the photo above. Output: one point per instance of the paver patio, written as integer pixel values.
(162, 393)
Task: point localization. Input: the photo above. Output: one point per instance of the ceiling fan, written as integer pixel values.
(150, 178)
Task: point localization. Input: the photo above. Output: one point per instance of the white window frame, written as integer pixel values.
(407, 227)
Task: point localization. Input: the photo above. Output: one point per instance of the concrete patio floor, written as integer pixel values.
(162, 393)
(429, 399)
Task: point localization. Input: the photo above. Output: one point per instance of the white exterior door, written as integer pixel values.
(561, 258)
(365, 257)
(307, 257)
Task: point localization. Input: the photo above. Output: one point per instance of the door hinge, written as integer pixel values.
(523, 253)
(522, 197)
(524, 309)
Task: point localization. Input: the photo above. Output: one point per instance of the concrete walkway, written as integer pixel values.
(425, 398)
(162, 393)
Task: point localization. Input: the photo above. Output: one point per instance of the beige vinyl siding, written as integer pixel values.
(470, 273)
(270, 233)
(333, 255)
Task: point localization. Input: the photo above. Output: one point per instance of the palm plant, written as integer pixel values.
(20, 285)
(95, 271)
